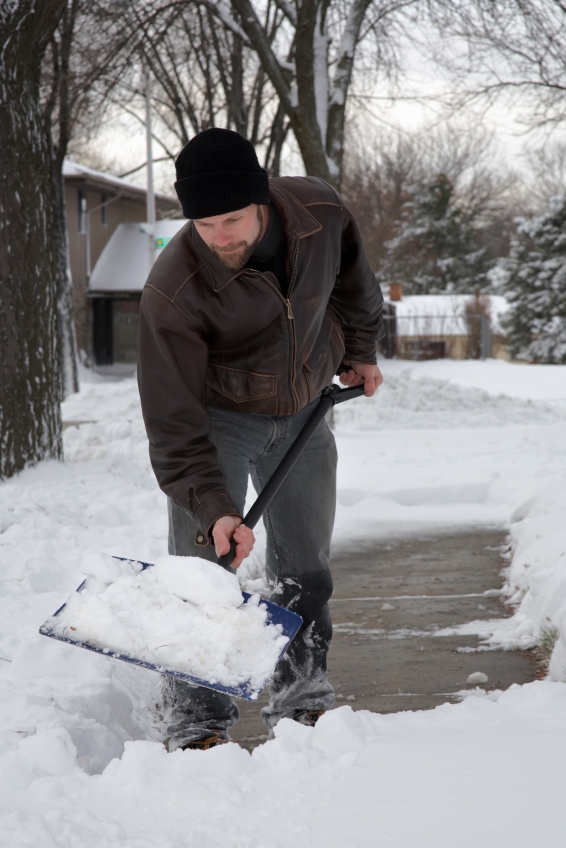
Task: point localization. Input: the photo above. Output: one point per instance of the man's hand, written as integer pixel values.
(362, 373)
(222, 532)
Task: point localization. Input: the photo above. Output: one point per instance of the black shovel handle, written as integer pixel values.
(329, 398)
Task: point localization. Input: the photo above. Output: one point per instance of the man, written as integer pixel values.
(244, 319)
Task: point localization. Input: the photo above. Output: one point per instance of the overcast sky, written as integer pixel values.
(420, 96)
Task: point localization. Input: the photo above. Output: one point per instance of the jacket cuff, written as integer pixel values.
(210, 511)
(361, 353)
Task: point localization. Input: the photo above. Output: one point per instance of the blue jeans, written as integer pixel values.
(299, 526)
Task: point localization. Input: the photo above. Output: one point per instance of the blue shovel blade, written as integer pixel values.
(290, 623)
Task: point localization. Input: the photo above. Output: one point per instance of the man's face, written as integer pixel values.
(234, 236)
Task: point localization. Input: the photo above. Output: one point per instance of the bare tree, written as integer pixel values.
(57, 114)
(205, 75)
(381, 173)
(511, 47)
(376, 179)
(30, 375)
(548, 168)
(80, 67)
(311, 61)
(263, 68)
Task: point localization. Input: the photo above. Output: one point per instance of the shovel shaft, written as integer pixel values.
(330, 396)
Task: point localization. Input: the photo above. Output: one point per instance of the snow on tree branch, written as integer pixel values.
(346, 50)
(287, 10)
(221, 10)
(321, 45)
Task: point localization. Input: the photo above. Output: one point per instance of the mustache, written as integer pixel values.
(228, 248)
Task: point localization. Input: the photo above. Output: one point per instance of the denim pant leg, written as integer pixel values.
(299, 525)
(193, 712)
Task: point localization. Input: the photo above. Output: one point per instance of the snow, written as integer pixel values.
(536, 580)
(489, 771)
(321, 43)
(447, 445)
(477, 677)
(184, 613)
(494, 376)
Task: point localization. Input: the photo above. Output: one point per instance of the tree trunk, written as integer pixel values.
(305, 124)
(300, 105)
(66, 338)
(340, 86)
(279, 132)
(30, 376)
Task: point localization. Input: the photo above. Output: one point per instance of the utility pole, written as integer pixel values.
(150, 196)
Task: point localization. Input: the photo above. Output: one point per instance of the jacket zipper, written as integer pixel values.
(287, 302)
(290, 316)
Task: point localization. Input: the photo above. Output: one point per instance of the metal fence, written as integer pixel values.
(437, 336)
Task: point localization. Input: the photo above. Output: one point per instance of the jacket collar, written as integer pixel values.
(297, 221)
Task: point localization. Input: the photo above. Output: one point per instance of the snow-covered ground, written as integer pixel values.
(444, 445)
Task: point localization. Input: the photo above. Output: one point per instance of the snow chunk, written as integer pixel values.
(184, 613)
(476, 678)
(198, 581)
(103, 568)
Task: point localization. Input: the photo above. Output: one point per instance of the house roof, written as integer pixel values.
(125, 262)
(441, 314)
(87, 178)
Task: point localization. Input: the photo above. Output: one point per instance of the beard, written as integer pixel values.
(240, 251)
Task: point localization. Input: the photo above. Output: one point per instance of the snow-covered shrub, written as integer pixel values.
(533, 278)
(437, 248)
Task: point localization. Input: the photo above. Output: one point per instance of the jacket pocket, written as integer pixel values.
(240, 386)
(328, 346)
(337, 339)
(318, 357)
(325, 357)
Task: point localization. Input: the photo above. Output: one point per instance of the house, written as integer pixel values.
(96, 204)
(445, 326)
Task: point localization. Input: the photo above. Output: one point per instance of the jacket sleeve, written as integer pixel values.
(172, 368)
(357, 297)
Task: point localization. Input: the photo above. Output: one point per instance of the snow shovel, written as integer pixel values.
(289, 622)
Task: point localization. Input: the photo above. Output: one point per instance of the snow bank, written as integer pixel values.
(404, 402)
(484, 772)
(536, 580)
(495, 376)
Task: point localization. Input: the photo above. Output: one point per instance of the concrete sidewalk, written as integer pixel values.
(389, 598)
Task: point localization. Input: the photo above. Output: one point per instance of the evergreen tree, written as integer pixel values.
(533, 278)
(436, 249)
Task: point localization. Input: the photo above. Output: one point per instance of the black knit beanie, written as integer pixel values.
(218, 172)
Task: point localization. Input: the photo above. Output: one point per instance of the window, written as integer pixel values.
(82, 211)
(103, 215)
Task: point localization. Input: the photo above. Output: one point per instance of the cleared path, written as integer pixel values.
(389, 599)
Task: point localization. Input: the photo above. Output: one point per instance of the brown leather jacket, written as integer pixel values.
(212, 336)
